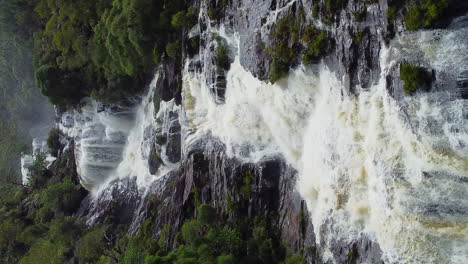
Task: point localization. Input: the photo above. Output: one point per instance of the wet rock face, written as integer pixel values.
(210, 177)
(154, 160)
(462, 84)
(173, 147)
(117, 204)
(170, 82)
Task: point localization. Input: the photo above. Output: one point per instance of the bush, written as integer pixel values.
(206, 214)
(53, 141)
(285, 35)
(63, 197)
(317, 44)
(278, 70)
(226, 259)
(91, 246)
(424, 13)
(61, 87)
(414, 77)
(173, 49)
(222, 57)
(180, 20)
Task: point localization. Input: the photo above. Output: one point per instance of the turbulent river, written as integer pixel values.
(393, 169)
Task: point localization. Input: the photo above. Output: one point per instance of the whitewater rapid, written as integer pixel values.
(396, 171)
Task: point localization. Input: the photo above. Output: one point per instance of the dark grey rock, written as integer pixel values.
(462, 84)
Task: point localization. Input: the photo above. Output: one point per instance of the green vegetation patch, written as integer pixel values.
(317, 44)
(414, 77)
(100, 48)
(289, 40)
(424, 13)
(285, 37)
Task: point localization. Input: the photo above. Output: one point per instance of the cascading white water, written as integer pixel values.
(114, 142)
(39, 147)
(100, 134)
(394, 170)
(141, 138)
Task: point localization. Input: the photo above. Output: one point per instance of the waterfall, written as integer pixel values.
(390, 166)
(114, 141)
(395, 170)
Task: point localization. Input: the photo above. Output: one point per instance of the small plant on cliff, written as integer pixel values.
(53, 141)
(222, 57)
(414, 77)
(317, 44)
(424, 13)
(285, 36)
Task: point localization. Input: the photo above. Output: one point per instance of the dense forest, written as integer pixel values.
(104, 49)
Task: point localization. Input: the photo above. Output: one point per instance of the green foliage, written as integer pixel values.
(360, 15)
(206, 214)
(104, 45)
(51, 81)
(285, 36)
(91, 246)
(414, 77)
(35, 221)
(317, 44)
(391, 13)
(53, 141)
(44, 252)
(225, 259)
(330, 8)
(424, 13)
(173, 49)
(221, 242)
(39, 176)
(246, 188)
(183, 19)
(62, 197)
(222, 57)
(191, 231)
(294, 259)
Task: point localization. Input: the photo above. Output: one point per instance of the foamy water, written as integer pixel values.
(396, 171)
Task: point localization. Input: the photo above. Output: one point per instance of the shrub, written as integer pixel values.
(173, 49)
(53, 141)
(91, 246)
(278, 70)
(206, 214)
(284, 36)
(44, 252)
(317, 44)
(191, 232)
(133, 256)
(61, 87)
(424, 13)
(63, 197)
(180, 20)
(222, 57)
(360, 15)
(391, 13)
(226, 259)
(414, 77)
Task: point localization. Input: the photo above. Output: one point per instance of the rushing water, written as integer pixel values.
(394, 170)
